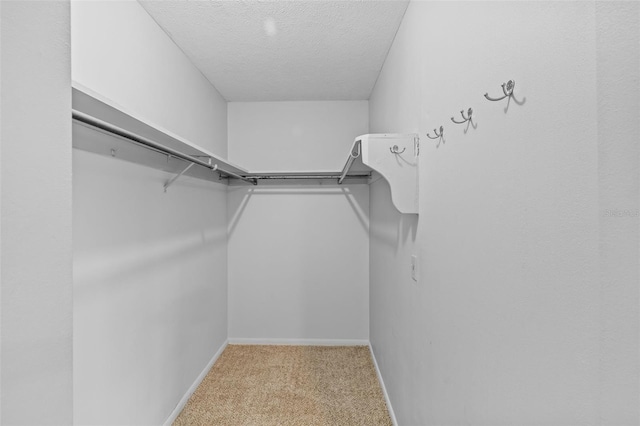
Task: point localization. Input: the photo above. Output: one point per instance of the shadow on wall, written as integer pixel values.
(357, 209)
(470, 124)
(395, 229)
(517, 102)
(238, 210)
(126, 226)
(345, 191)
(407, 228)
(298, 261)
(90, 268)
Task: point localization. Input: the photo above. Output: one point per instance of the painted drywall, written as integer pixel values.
(298, 263)
(150, 268)
(150, 288)
(618, 90)
(36, 263)
(294, 136)
(121, 53)
(526, 306)
(298, 255)
(0, 221)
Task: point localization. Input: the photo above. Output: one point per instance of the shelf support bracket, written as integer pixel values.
(173, 179)
(383, 153)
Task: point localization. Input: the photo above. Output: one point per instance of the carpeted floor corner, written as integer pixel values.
(289, 385)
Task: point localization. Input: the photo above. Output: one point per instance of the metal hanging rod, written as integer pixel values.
(148, 143)
(284, 176)
(350, 161)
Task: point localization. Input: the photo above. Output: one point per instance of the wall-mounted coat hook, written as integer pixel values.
(437, 135)
(507, 89)
(464, 119)
(395, 150)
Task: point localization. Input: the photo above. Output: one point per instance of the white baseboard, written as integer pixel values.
(384, 389)
(300, 342)
(176, 411)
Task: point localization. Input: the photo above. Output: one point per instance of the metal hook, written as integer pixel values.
(395, 150)
(437, 135)
(507, 89)
(464, 119)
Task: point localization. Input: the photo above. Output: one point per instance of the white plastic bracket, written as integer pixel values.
(399, 168)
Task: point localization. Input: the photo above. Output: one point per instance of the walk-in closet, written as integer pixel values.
(357, 212)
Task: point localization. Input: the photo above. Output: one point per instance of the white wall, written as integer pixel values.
(120, 52)
(36, 261)
(618, 90)
(149, 288)
(298, 255)
(294, 136)
(526, 308)
(0, 221)
(150, 268)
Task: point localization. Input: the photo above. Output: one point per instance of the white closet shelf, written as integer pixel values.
(100, 126)
(90, 107)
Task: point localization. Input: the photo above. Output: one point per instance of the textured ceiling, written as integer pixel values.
(284, 50)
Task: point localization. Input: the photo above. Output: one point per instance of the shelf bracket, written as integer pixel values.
(173, 179)
(395, 158)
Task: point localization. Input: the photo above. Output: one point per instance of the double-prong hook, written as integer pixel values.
(464, 119)
(437, 135)
(507, 89)
(395, 150)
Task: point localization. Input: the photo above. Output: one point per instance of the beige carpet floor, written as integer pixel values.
(289, 385)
